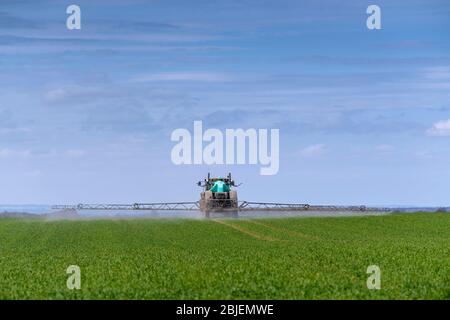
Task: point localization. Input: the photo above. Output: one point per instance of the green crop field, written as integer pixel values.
(289, 258)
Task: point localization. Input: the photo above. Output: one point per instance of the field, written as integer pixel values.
(289, 258)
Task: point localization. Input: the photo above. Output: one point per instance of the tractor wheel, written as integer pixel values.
(208, 200)
(208, 195)
(233, 198)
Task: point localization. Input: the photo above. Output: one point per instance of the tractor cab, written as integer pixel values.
(220, 186)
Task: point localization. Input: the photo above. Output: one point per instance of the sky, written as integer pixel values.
(86, 115)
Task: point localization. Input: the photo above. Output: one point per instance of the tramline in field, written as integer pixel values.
(218, 196)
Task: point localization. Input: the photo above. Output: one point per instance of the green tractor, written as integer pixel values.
(218, 196)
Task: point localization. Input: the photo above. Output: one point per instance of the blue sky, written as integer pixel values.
(86, 115)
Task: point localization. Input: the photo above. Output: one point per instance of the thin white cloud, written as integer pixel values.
(183, 76)
(440, 128)
(424, 155)
(14, 130)
(313, 151)
(10, 153)
(74, 92)
(75, 153)
(438, 73)
(437, 77)
(385, 148)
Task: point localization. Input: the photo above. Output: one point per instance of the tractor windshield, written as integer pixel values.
(220, 186)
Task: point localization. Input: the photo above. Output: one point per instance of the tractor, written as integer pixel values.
(218, 196)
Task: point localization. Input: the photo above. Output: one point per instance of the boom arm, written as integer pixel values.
(134, 206)
(194, 206)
